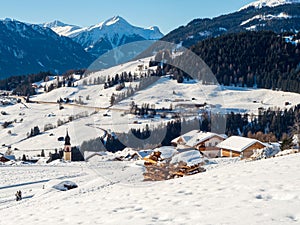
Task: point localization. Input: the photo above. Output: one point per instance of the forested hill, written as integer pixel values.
(278, 19)
(263, 59)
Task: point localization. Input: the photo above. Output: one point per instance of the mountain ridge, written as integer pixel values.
(27, 48)
(106, 35)
(279, 19)
(269, 3)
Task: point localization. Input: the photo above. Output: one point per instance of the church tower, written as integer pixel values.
(67, 148)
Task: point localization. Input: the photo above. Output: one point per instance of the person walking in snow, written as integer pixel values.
(18, 195)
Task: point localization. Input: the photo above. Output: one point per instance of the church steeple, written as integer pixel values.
(67, 139)
(67, 148)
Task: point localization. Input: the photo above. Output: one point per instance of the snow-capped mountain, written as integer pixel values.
(283, 16)
(104, 36)
(60, 27)
(27, 48)
(269, 3)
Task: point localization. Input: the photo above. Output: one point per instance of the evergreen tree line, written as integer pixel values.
(144, 82)
(269, 125)
(22, 85)
(141, 138)
(253, 59)
(165, 64)
(34, 132)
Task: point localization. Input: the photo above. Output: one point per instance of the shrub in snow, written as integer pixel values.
(48, 126)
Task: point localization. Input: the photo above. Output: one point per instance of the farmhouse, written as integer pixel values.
(183, 139)
(236, 146)
(205, 142)
(6, 158)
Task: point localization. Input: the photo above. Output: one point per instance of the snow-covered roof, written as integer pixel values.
(192, 157)
(194, 137)
(186, 137)
(238, 144)
(166, 151)
(8, 157)
(201, 137)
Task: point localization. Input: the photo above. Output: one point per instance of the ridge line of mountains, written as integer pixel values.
(58, 47)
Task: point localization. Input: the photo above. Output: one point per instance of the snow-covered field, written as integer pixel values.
(163, 93)
(110, 192)
(260, 192)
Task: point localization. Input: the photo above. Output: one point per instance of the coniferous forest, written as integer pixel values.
(270, 125)
(253, 59)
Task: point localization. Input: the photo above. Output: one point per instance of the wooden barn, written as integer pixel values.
(206, 142)
(236, 146)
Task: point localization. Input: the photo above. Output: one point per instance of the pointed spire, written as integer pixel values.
(67, 138)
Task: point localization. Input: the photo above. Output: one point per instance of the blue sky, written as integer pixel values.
(166, 14)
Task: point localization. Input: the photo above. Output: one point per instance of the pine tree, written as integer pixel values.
(112, 99)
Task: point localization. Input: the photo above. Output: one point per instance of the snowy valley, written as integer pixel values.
(89, 112)
(208, 134)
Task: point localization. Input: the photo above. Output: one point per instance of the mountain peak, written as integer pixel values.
(57, 23)
(116, 19)
(60, 27)
(111, 21)
(269, 3)
(7, 19)
(104, 36)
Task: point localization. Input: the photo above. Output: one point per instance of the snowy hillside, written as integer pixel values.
(91, 119)
(111, 33)
(269, 3)
(261, 192)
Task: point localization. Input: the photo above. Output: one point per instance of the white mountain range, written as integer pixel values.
(111, 33)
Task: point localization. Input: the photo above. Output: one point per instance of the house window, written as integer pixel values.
(209, 144)
(216, 143)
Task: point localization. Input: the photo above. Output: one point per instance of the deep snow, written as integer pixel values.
(260, 192)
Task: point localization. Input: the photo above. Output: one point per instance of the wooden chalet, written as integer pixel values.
(206, 142)
(236, 146)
